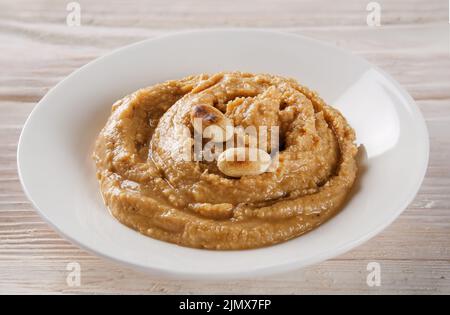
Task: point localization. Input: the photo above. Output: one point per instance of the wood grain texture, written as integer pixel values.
(38, 49)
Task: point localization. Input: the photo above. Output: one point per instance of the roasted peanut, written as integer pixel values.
(237, 162)
(212, 123)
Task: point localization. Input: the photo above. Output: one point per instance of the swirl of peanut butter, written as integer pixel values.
(151, 181)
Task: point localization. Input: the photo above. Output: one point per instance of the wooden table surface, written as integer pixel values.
(38, 49)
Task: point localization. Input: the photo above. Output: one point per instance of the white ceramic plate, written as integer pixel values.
(58, 176)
